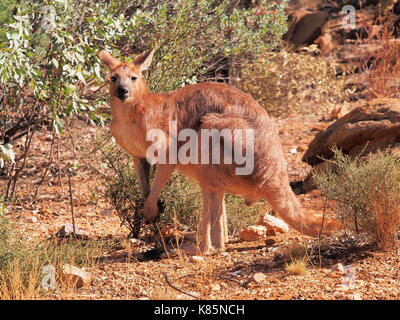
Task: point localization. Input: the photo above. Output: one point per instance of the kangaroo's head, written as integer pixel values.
(126, 78)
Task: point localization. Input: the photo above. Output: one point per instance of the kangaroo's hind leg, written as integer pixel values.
(225, 222)
(218, 221)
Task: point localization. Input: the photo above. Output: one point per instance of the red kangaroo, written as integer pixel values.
(136, 110)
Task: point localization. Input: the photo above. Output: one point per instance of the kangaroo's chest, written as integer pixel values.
(130, 136)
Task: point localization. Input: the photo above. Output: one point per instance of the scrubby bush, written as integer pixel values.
(293, 83)
(367, 192)
(51, 50)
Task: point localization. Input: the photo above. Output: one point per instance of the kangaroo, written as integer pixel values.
(135, 111)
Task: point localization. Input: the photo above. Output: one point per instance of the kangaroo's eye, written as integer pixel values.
(133, 78)
(113, 79)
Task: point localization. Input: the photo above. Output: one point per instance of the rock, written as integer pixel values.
(355, 296)
(136, 242)
(67, 231)
(374, 126)
(325, 43)
(338, 112)
(197, 259)
(367, 129)
(253, 233)
(258, 277)
(306, 27)
(182, 296)
(107, 212)
(75, 277)
(215, 287)
(293, 151)
(302, 148)
(273, 223)
(31, 219)
(269, 242)
(271, 264)
(338, 267)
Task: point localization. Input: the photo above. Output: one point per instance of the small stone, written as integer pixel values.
(215, 287)
(274, 223)
(302, 148)
(271, 264)
(75, 277)
(31, 219)
(355, 296)
(293, 151)
(67, 231)
(258, 277)
(197, 259)
(253, 233)
(183, 296)
(107, 212)
(338, 267)
(136, 242)
(269, 242)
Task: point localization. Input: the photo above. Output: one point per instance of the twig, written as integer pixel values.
(178, 289)
(320, 232)
(58, 164)
(71, 203)
(10, 195)
(48, 166)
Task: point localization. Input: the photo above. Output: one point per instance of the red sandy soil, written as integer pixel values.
(119, 275)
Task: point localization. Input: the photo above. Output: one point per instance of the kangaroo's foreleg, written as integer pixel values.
(143, 167)
(163, 173)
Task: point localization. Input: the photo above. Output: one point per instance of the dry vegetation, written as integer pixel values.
(300, 88)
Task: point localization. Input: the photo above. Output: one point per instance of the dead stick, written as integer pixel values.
(48, 166)
(320, 232)
(71, 203)
(176, 288)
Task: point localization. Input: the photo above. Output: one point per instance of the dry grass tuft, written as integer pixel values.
(296, 267)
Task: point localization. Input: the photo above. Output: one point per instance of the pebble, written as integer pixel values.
(197, 259)
(258, 277)
(338, 267)
(31, 219)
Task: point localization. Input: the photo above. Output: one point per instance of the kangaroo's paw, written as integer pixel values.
(151, 212)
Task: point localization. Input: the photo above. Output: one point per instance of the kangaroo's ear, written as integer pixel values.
(110, 61)
(144, 59)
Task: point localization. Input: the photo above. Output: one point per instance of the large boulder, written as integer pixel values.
(367, 129)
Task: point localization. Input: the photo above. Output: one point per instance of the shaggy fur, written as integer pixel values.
(203, 106)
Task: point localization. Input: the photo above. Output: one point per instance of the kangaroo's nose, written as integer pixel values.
(122, 92)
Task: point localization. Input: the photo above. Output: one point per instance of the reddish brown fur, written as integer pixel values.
(213, 106)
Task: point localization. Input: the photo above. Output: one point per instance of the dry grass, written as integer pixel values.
(381, 67)
(293, 83)
(296, 267)
(21, 261)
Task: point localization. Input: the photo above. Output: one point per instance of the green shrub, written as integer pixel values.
(288, 82)
(367, 192)
(44, 64)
